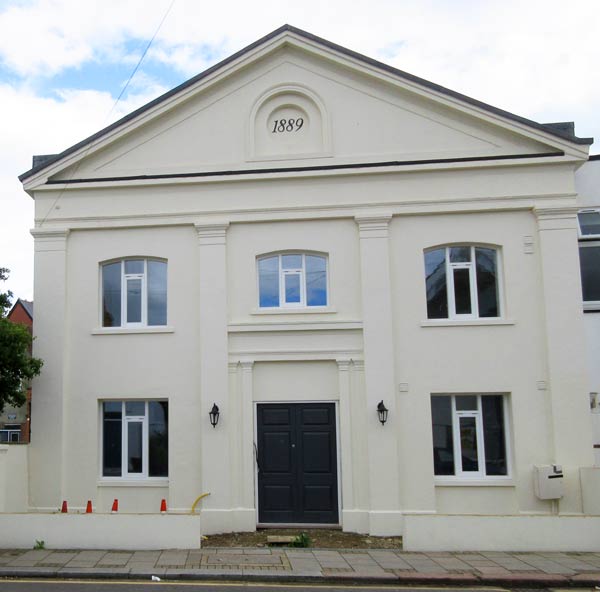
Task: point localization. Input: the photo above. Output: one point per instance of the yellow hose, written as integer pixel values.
(200, 497)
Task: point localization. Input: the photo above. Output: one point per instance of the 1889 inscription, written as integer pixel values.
(287, 125)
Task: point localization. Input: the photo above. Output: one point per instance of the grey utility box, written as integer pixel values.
(548, 481)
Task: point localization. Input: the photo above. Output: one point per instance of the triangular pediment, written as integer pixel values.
(292, 102)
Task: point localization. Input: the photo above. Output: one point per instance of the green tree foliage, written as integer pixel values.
(17, 366)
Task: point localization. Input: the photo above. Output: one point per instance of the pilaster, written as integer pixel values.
(565, 347)
(379, 369)
(347, 492)
(247, 410)
(47, 453)
(213, 365)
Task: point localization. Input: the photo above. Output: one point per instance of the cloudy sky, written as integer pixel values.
(63, 63)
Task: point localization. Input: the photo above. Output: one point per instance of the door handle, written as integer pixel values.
(256, 457)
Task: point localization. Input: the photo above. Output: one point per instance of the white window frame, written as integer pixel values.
(471, 267)
(10, 433)
(589, 304)
(579, 231)
(459, 474)
(125, 277)
(456, 417)
(450, 268)
(301, 272)
(125, 421)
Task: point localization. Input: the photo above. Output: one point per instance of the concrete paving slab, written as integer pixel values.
(493, 571)
(313, 565)
(243, 560)
(21, 563)
(36, 554)
(145, 555)
(57, 558)
(207, 574)
(113, 559)
(452, 563)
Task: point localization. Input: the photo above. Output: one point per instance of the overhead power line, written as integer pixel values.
(76, 168)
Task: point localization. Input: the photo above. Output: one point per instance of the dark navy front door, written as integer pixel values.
(297, 463)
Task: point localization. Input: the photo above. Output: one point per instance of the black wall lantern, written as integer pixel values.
(214, 415)
(382, 412)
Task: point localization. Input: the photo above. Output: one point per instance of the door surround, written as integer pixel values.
(336, 404)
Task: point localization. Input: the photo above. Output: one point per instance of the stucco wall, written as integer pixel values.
(372, 342)
(14, 478)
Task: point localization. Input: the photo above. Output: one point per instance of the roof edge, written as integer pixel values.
(23, 306)
(557, 130)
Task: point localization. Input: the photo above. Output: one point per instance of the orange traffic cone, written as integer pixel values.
(88, 508)
(115, 506)
(163, 505)
(64, 508)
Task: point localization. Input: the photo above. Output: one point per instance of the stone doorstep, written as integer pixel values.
(280, 540)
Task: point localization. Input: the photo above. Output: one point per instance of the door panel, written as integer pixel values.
(279, 458)
(297, 459)
(313, 445)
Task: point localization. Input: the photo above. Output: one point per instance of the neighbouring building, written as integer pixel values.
(587, 183)
(14, 421)
(325, 291)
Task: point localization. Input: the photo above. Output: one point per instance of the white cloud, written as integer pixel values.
(43, 126)
(536, 58)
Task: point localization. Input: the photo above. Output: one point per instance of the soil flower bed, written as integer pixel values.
(321, 538)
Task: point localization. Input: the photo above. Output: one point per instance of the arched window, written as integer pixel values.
(134, 293)
(292, 280)
(462, 282)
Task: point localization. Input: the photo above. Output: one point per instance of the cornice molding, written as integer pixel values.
(373, 226)
(561, 213)
(49, 233)
(212, 234)
(564, 218)
(50, 239)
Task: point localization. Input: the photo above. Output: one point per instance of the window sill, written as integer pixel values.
(157, 482)
(465, 482)
(591, 306)
(465, 322)
(129, 330)
(300, 310)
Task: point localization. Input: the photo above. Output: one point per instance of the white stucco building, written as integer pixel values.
(587, 183)
(294, 236)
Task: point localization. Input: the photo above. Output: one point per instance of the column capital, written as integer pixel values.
(247, 365)
(212, 234)
(50, 239)
(344, 364)
(373, 226)
(49, 232)
(564, 218)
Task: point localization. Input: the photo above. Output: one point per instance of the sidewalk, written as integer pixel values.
(316, 565)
